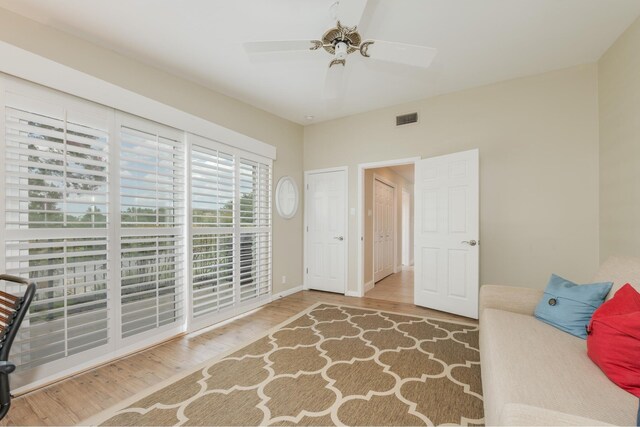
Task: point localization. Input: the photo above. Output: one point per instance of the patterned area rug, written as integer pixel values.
(330, 365)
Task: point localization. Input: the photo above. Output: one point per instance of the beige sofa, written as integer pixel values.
(535, 374)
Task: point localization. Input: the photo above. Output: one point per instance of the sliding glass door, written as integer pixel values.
(133, 231)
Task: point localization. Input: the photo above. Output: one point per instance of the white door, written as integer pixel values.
(383, 230)
(447, 233)
(326, 204)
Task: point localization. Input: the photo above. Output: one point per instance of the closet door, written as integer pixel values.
(383, 230)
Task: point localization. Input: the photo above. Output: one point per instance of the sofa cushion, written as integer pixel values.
(614, 339)
(528, 362)
(569, 306)
(619, 270)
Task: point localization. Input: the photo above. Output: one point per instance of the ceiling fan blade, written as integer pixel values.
(278, 46)
(350, 12)
(333, 84)
(400, 53)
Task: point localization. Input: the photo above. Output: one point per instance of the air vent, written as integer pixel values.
(406, 119)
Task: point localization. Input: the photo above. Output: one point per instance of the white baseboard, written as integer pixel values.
(286, 293)
(368, 286)
(352, 294)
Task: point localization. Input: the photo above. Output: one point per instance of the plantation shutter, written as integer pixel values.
(255, 229)
(213, 230)
(231, 227)
(56, 217)
(96, 205)
(151, 225)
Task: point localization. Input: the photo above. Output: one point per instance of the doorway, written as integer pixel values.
(387, 224)
(445, 237)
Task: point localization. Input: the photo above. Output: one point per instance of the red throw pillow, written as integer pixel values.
(613, 342)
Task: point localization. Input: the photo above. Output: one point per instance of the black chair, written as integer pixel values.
(12, 310)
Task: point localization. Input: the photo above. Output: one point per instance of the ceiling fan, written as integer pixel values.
(344, 40)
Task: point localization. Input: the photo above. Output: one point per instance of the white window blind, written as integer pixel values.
(151, 221)
(231, 228)
(214, 221)
(255, 221)
(104, 212)
(56, 216)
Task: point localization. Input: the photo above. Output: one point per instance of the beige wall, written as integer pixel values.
(400, 183)
(619, 89)
(187, 96)
(538, 141)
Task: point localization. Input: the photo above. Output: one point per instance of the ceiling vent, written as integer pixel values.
(406, 119)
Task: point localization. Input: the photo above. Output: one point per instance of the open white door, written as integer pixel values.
(447, 233)
(326, 244)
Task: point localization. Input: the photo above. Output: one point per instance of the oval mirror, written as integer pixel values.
(287, 197)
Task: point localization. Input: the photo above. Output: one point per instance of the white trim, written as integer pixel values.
(352, 294)
(3, 150)
(360, 212)
(344, 169)
(368, 286)
(188, 235)
(35, 68)
(286, 293)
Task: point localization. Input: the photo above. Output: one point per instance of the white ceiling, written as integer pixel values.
(479, 42)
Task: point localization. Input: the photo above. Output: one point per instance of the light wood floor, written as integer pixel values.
(77, 398)
(397, 287)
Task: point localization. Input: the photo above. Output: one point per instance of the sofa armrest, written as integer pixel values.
(517, 414)
(509, 298)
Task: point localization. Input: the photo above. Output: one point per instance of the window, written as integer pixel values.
(151, 225)
(56, 215)
(133, 231)
(255, 237)
(231, 257)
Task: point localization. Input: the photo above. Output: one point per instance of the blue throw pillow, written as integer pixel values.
(569, 306)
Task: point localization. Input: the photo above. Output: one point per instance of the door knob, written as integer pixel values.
(339, 238)
(469, 242)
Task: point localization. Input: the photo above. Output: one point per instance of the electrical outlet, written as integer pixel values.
(284, 280)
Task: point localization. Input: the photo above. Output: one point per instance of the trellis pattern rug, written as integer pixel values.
(330, 365)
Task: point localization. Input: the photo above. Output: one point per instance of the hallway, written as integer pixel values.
(397, 287)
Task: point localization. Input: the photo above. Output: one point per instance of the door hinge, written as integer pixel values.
(307, 271)
(307, 186)
(307, 228)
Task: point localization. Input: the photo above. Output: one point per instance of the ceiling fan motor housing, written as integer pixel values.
(346, 35)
